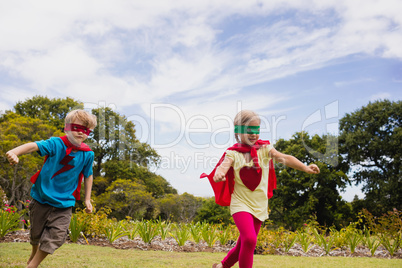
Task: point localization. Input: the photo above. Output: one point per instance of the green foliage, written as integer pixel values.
(389, 223)
(114, 139)
(181, 233)
(93, 223)
(300, 195)
(132, 228)
(372, 243)
(305, 240)
(326, 242)
(391, 244)
(340, 237)
(195, 230)
(10, 219)
(353, 237)
(289, 239)
(16, 130)
(268, 241)
(147, 231)
(371, 138)
(115, 230)
(53, 111)
(179, 208)
(76, 228)
(223, 233)
(209, 235)
(127, 198)
(213, 213)
(163, 228)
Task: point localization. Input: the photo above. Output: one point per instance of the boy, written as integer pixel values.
(57, 185)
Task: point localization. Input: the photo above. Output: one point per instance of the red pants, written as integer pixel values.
(243, 252)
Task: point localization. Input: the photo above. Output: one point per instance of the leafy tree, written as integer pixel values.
(128, 170)
(300, 195)
(14, 131)
(128, 198)
(213, 213)
(179, 208)
(114, 139)
(188, 206)
(168, 208)
(53, 111)
(371, 139)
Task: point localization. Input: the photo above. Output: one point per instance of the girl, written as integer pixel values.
(244, 180)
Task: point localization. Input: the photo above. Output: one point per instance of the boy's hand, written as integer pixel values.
(12, 158)
(219, 176)
(312, 169)
(88, 206)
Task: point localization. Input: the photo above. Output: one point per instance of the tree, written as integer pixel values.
(114, 139)
(125, 169)
(371, 139)
(14, 131)
(53, 111)
(213, 213)
(300, 195)
(188, 206)
(168, 207)
(128, 198)
(179, 208)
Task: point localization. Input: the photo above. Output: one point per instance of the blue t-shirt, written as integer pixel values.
(58, 191)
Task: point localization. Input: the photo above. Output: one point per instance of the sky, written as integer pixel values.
(181, 70)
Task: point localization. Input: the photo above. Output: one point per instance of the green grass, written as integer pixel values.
(74, 255)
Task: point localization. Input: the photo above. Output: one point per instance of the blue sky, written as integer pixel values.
(181, 70)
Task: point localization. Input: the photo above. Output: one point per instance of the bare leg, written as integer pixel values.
(33, 252)
(37, 259)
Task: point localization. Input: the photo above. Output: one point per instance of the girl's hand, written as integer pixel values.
(219, 176)
(312, 169)
(12, 158)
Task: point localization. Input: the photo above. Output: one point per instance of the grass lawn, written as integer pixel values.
(74, 255)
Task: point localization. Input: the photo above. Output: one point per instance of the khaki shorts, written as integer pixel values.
(49, 225)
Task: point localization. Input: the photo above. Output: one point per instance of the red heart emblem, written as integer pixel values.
(250, 177)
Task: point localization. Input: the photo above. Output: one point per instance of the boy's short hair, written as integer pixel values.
(87, 118)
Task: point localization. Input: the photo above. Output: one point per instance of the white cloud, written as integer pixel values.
(202, 57)
(380, 96)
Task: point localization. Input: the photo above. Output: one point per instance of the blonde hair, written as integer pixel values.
(87, 118)
(243, 118)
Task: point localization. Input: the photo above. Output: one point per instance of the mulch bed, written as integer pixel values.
(170, 244)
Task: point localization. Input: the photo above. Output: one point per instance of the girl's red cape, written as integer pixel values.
(224, 189)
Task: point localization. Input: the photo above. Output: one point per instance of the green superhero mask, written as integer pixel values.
(247, 129)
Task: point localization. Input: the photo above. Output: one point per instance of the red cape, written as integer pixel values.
(70, 147)
(224, 189)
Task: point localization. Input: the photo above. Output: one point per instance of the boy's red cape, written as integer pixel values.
(67, 158)
(224, 189)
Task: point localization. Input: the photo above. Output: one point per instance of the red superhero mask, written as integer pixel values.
(77, 128)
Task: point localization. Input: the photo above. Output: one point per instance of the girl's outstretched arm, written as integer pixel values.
(293, 162)
(222, 170)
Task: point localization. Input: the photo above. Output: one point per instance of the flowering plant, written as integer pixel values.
(9, 219)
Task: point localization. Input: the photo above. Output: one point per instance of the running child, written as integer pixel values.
(57, 185)
(244, 179)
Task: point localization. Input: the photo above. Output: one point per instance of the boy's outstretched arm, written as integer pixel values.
(88, 188)
(293, 162)
(12, 155)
